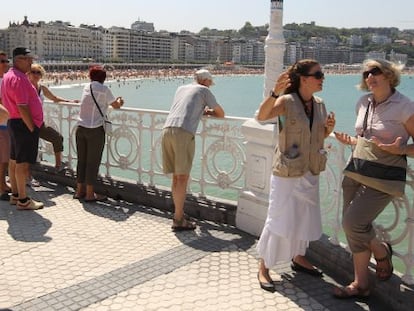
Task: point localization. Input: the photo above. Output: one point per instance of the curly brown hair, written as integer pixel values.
(298, 69)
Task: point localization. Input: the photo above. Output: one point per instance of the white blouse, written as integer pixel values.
(89, 115)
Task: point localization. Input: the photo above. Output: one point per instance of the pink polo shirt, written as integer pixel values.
(16, 89)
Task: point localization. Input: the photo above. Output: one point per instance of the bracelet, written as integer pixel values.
(273, 94)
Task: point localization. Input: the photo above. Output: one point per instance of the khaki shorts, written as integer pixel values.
(178, 148)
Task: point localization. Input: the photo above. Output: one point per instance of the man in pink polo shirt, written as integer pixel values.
(26, 116)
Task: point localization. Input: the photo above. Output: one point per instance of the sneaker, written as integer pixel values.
(62, 167)
(13, 200)
(5, 196)
(29, 205)
(34, 183)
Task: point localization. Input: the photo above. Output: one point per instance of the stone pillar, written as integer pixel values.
(260, 138)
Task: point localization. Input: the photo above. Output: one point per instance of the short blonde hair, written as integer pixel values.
(38, 67)
(390, 70)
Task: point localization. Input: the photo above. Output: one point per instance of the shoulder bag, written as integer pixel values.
(107, 125)
(376, 168)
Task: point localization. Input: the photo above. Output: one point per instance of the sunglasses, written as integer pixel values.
(374, 71)
(4, 61)
(317, 75)
(36, 72)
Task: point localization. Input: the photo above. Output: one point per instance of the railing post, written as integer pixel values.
(253, 201)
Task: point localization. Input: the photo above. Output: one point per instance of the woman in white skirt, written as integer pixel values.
(294, 216)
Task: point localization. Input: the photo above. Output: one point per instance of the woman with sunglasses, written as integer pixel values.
(294, 216)
(48, 133)
(386, 118)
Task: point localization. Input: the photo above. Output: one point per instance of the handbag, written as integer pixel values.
(376, 168)
(107, 124)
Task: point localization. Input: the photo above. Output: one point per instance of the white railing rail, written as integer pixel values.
(134, 152)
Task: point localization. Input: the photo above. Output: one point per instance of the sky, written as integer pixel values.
(193, 15)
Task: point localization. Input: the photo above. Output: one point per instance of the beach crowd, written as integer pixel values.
(57, 78)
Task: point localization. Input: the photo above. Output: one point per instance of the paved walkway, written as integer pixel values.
(119, 256)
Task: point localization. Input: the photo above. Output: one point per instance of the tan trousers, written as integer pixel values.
(361, 206)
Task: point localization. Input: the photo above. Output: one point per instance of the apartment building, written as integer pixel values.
(60, 41)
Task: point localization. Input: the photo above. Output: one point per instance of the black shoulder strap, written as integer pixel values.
(96, 103)
(365, 124)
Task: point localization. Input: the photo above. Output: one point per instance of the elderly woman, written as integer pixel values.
(48, 133)
(294, 217)
(385, 119)
(90, 133)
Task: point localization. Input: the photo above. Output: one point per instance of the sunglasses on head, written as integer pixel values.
(373, 71)
(35, 72)
(4, 61)
(317, 75)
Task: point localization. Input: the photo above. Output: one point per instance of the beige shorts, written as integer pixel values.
(178, 148)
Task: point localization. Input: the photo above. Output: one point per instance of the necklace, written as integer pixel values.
(308, 107)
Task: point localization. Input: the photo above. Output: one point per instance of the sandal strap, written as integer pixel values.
(179, 222)
(382, 259)
(388, 250)
(183, 222)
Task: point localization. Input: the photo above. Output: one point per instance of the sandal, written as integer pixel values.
(384, 274)
(183, 225)
(351, 291)
(96, 198)
(79, 196)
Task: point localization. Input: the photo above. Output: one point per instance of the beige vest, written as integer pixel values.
(310, 154)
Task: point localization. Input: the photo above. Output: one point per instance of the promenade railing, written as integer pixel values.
(133, 152)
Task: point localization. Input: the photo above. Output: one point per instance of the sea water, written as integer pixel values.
(240, 96)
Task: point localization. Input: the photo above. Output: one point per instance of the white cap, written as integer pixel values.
(203, 74)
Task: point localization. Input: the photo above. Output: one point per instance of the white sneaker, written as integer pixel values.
(29, 205)
(34, 183)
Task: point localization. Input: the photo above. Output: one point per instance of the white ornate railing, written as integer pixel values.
(134, 152)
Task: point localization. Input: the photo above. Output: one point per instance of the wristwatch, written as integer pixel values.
(273, 94)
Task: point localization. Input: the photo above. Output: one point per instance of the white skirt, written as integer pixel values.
(293, 219)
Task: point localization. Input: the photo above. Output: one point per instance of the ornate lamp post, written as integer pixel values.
(261, 139)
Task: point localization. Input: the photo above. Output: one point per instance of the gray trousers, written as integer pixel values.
(90, 143)
(361, 205)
